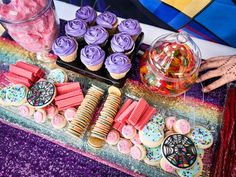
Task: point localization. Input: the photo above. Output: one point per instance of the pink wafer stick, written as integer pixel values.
(21, 72)
(145, 118)
(138, 111)
(120, 127)
(18, 79)
(62, 84)
(70, 106)
(68, 88)
(123, 108)
(69, 101)
(35, 69)
(116, 125)
(125, 115)
(68, 95)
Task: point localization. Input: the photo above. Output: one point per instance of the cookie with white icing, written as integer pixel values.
(41, 94)
(153, 156)
(201, 137)
(57, 76)
(194, 171)
(151, 135)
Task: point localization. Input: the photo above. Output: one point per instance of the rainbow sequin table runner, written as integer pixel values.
(207, 113)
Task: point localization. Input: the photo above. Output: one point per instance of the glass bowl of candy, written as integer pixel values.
(171, 64)
(33, 24)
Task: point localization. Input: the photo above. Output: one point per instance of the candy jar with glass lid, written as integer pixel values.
(171, 65)
(33, 24)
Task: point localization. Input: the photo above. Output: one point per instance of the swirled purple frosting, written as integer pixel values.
(64, 46)
(117, 63)
(130, 26)
(106, 20)
(121, 42)
(96, 35)
(76, 28)
(92, 55)
(86, 13)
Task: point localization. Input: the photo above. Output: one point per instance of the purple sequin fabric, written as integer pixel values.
(25, 154)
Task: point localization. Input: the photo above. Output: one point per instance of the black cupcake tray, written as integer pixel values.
(102, 74)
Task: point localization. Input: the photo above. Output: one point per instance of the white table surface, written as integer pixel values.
(208, 49)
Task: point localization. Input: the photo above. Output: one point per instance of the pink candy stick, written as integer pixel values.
(69, 95)
(62, 84)
(138, 111)
(21, 72)
(116, 125)
(125, 115)
(69, 101)
(18, 79)
(123, 108)
(68, 88)
(29, 67)
(145, 118)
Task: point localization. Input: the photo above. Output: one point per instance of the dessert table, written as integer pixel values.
(56, 153)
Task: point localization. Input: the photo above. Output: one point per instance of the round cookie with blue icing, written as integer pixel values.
(41, 94)
(201, 137)
(159, 120)
(13, 95)
(194, 171)
(57, 76)
(151, 135)
(153, 156)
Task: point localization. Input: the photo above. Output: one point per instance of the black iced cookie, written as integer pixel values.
(179, 151)
(41, 94)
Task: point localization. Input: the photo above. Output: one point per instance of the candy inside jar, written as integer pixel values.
(31, 23)
(170, 66)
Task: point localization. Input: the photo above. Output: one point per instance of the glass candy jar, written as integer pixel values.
(31, 23)
(171, 65)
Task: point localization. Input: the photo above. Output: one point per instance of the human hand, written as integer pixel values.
(223, 67)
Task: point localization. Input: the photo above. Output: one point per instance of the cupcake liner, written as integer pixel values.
(95, 67)
(71, 57)
(118, 76)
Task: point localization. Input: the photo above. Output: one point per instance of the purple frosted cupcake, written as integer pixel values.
(131, 27)
(66, 48)
(118, 65)
(96, 35)
(92, 56)
(122, 42)
(76, 28)
(86, 13)
(108, 21)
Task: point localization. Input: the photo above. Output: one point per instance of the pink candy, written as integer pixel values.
(113, 137)
(182, 126)
(124, 146)
(170, 121)
(128, 131)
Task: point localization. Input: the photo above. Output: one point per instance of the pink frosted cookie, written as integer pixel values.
(138, 152)
(58, 121)
(166, 166)
(128, 131)
(182, 126)
(51, 111)
(169, 122)
(25, 110)
(40, 116)
(113, 137)
(70, 114)
(124, 146)
(136, 139)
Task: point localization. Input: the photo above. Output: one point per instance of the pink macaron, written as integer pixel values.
(166, 166)
(128, 131)
(58, 121)
(182, 126)
(138, 152)
(113, 137)
(70, 114)
(169, 122)
(124, 146)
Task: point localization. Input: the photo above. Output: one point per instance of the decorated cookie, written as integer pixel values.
(201, 137)
(25, 110)
(169, 122)
(179, 151)
(182, 126)
(136, 139)
(124, 146)
(51, 111)
(41, 94)
(3, 93)
(159, 120)
(70, 114)
(113, 137)
(200, 153)
(58, 121)
(128, 131)
(138, 152)
(40, 116)
(164, 164)
(57, 76)
(151, 135)
(194, 171)
(153, 156)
